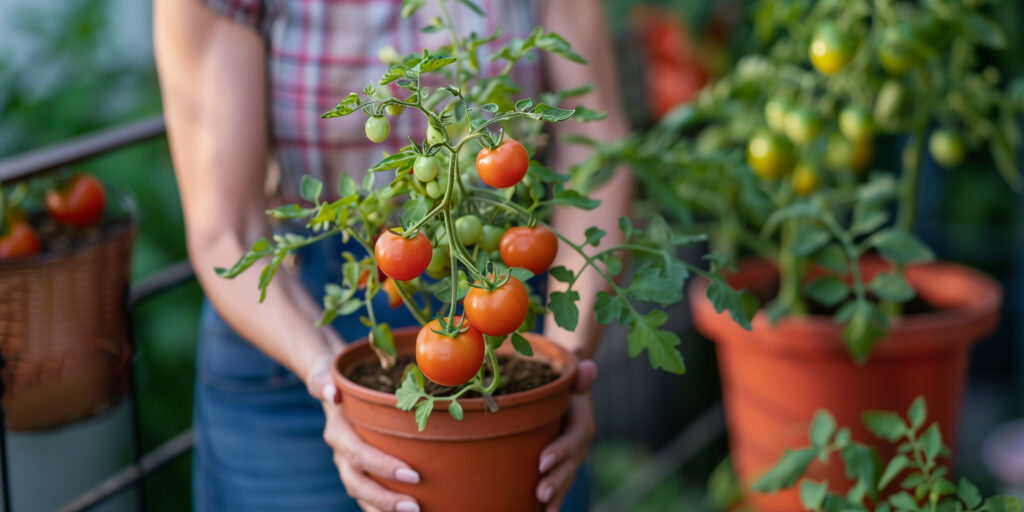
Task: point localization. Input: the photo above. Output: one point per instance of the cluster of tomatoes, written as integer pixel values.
(452, 353)
(79, 204)
(772, 153)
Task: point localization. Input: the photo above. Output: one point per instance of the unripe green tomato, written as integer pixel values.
(946, 147)
(490, 238)
(425, 169)
(802, 125)
(434, 190)
(889, 104)
(775, 114)
(855, 123)
(377, 128)
(838, 152)
(394, 109)
(805, 180)
(830, 50)
(389, 55)
(469, 227)
(439, 261)
(434, 136)
(770, 155)
(894, 53)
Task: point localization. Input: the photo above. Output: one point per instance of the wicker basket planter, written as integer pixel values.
(64, 333)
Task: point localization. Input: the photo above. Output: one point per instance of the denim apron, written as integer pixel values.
(259, 435)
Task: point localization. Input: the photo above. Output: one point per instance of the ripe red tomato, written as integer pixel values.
(503, 166)
(401, 258)
(81, 204)
(390, 288)
(531, 248)
(446, 360)
(500, 311)
(20, 241)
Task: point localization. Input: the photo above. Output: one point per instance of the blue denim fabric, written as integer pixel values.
(259, 444)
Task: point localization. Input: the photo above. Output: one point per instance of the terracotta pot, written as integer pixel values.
(487, 461)
(775, 377)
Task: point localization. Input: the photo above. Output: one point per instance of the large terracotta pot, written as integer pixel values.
(775, 377)
(487, 461)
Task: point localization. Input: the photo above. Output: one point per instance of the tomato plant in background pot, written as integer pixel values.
(776, 160)
(457, 232)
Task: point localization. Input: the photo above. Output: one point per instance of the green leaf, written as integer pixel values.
(822, 428)
(832, 257)
(290, 211)
(892, 287)
(653, 284)
(383, 339)
(545, 174)
(575, 199)
(723, 297)
(524, 105)
(562, 274)
(827, 291)
(393, 73)
(892, 470)
(563, 306)
(267, 275)
(423, 410)
(557, 45)
(1003, 504)
(410, 391)
(409, 7)
(917, 413)
(865, 328)
(521, 344)
(344, 107)
(402, 160)
(586, 115)
(798, 210)
(983, 29)
(883, 424)
(594, 235)
(786, 471)
(609, 308)
(810, 240)
(347, 186)
(904, 501)
(612, 263)
(862, 465)
(931, 441)
(455, 410)
(901, 247)
(552, 114)
(434, 63)
(521, 274)
(1005, 157)
(812, 495)
(311, 188)
(415, 210)
(644, 333)
(968, 493)
(475, 8)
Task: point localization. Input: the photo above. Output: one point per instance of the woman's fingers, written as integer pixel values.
(344, 441)
(367, 492)
(562, 457)
(586, 372)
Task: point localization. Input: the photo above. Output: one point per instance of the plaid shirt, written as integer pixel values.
(320, 50)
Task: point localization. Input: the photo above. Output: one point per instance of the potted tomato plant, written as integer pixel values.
(456, 235)
(775, 160)
(65, 262)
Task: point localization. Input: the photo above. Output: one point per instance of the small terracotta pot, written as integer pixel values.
(776, 376)
(487, 461)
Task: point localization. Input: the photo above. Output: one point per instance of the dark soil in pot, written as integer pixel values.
(517, 374)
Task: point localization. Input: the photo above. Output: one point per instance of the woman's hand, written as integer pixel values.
(560, 459)
(355, 459)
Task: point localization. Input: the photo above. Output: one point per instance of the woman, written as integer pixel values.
(244, 83)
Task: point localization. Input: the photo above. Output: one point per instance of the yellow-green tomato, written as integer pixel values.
(805, 180)
(838, 152)
(775, 114)
(802, 125)
(830, 50)
(439, 261)
(490, 238)
(889, 104)
(394, 109)
(434, 136)
(770, 155)
(377, 128)
(856, 123)
(947, 148)
(894, 53)
(469, 228)
(425, 169)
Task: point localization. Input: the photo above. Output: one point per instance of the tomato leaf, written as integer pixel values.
(827, 291)
(831, 257)
(594, 235)
(812, 494)
(267, 275)
(383, 339)
(563, 306)
(290, 212)
(345, 107)
(575, 199)
(551, 114)
(1003, 504)
(786, 471)
(610, 308)
(862, 465)
(423, 410)
(663, 286)
(556, 44)
(723, 297)
(415, 210)
(311, 188)
(562, 274)
(917, 413)
(866, 327)
(822, 428)
(901, 247)
(521, 344)
(545, 174)
(892, 470)
(810, 240)
(645, 333)
(883, 424)
(891, 286)
(410, 391)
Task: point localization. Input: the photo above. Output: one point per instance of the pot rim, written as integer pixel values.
(976, 311)
(350, 356)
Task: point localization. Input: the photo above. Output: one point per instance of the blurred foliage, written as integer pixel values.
(88, 83)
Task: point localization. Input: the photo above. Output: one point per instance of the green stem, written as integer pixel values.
(912, 163)
(450, 227)
(496, 380)
(790, 275)
(456, 47)
(421, 316)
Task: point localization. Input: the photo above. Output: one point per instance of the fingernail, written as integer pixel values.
(407, 475)
(546, 462)
(407, 506)
(330, 393)
(546, 497)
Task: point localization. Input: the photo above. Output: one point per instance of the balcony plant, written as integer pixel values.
(776, 160)
(455, 236)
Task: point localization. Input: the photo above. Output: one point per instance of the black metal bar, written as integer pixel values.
(80, 148)
(158, 458)
(705, 429)
(169, 277)
(3, 461)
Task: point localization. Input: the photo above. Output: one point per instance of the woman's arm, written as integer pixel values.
(582, 23)
(212, 77)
